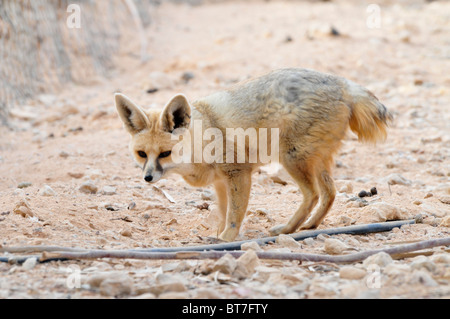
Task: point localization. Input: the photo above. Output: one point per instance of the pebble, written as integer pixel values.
(109, 190)
(207, 195)
(246, 264)
(23, 208)
(226, 264)
(397, 179)
(351, 272)
(88, 188)
(126, 232)
(422, 262)
(24, 185)
(47, 191)
(445, 221)
(251, 245)
(380, 259)
(334, 246)
(382, 211)
(287, 241)
(167, 283)
(30, 263)
(115, 286)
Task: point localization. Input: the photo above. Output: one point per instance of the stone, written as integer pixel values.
(30, 263)
(47, 191)
(109, 190)
(126, 232)
(24, 185)
(422, 277)
(226, 264)
(167, 283)
(380, 259)
(207, 195)
(246, 264)
(88, 188)
(397, 179)
(252, 245)
(207, 293)
(382, 211)
(114, 286)
(351, 272)
(287, 241)
(334, 246)
(422, 262)
(23, 208)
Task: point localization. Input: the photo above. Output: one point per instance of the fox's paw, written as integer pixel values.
(277, 230)
(228, 234)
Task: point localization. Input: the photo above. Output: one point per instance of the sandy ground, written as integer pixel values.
(65, 139)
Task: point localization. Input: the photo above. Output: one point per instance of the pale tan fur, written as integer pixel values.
(312, 110)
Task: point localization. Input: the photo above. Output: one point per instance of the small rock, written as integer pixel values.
(422, 262)
(226, 265)
(345, 187)
(350, 272)
(207, 293)
(126, 232)
(251, 245)
(207, 195)
(64, 154)
(246, 264)
(287, 241)
(30, 263)
(88, 188)
(187, 76)
(278, 180)
(423, 278)
(382, 211)
(397, 179)
(116, 286)
(24, 185)
(167, 283)
(381, 259)
(23, 208)
(445, 221)
(47, 191)
(334, 246)
(309, 241)
(75, 175)
(109, 190)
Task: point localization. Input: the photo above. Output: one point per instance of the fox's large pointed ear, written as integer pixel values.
(176, 114)
(132, 116)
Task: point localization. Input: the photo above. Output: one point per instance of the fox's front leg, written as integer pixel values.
(238, 191)
(222, 201)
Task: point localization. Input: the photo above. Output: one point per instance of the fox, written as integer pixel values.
(312, 111)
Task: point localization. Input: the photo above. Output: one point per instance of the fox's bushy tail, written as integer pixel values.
(369, 118)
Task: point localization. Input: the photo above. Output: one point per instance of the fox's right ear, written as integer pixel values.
(132, 116)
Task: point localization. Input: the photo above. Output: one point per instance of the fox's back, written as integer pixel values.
(281, 97)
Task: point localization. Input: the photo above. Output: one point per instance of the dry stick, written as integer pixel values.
(128, 254)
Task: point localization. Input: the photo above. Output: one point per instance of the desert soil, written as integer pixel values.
(62, 140)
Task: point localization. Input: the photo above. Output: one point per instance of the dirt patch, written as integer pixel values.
(66, 176)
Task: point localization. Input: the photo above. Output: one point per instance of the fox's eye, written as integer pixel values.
(165, 154)
(142, 154)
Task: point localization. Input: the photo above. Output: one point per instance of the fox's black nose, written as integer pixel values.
(148, 178)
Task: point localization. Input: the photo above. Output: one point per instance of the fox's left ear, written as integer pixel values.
(131, 114)
(176, 114)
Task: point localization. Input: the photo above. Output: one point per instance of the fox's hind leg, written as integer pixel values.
(327, 195)
(303, 173)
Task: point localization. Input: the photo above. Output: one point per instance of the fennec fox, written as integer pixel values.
(312, 112)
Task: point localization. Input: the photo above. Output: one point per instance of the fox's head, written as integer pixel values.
(151, 133)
